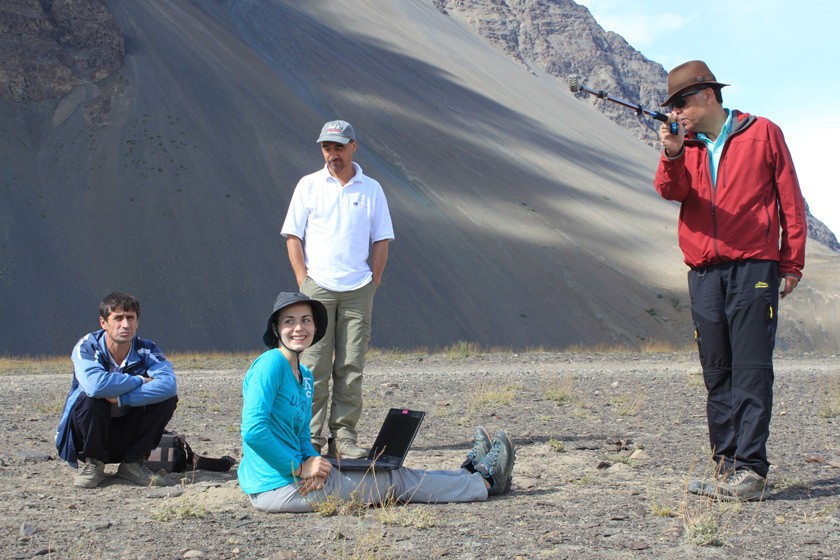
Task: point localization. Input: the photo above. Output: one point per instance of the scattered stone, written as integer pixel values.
(282, 555)
(166, 492)
(194, 554)
(29, 456)
(27, 529)
(620, 468)
(552, 537)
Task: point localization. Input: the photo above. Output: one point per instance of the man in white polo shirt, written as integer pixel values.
(337, 232)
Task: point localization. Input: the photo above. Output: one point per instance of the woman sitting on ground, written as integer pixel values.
(280, 470)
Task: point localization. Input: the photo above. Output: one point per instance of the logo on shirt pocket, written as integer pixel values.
(357, 200)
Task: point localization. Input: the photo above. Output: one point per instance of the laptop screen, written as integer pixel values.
(397, 433)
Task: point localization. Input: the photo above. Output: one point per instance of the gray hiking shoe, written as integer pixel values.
(90, 473)
(481, 446)
(743, 485)
(139, 473)
(497, 466)
(346, 449)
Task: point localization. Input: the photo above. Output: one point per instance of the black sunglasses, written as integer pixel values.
(678, 102)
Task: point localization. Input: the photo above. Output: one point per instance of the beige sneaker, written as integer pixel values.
(90, 473)
(743, 485)
(139, 473)
(347, 449)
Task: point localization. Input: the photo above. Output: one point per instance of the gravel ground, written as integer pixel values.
(606, 444)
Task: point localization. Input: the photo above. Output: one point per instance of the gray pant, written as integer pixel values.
(405, 485)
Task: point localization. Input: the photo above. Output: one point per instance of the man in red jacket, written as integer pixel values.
(742, 232)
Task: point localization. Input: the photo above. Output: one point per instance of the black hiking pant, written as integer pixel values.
(128, 438)
(734, 308)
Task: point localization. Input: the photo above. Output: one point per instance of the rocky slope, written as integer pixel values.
(49, 47)
(562, 38)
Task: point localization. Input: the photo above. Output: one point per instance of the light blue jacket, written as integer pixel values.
(276, 411)
(91, 375)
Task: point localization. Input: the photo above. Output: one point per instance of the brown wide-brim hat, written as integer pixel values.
(687, 75)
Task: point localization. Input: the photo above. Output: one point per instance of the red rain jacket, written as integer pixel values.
(756, 211)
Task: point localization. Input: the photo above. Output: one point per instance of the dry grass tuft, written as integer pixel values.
(644, 346)
(372, 537)
(415, 516)
(629, 405)
(785, 483)
(50, 408)
(556, 445)
(561, 391)
(486, 395)
(211, 360)
(660, 509)
(397, 354)
(29, 365)
(829, 397)
(335, 505)
(178, 509)
(708, 521)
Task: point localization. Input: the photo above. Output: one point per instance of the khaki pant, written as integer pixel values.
(340, 357)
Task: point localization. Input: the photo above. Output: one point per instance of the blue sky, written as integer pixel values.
(779, 56)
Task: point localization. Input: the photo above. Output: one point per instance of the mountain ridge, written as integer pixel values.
(523, 217)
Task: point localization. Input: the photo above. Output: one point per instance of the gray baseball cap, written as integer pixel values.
(337, 131)
(285, 299)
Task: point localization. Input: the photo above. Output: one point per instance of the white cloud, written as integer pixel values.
(778, 55)
(807, 139)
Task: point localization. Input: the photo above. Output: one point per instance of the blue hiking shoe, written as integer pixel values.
(497, 465)
(481, 447)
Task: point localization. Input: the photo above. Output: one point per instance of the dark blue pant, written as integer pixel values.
(129, 438)
(734, 307)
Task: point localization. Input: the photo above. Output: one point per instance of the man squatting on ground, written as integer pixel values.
(742, 231)
(282, 472)
(334, 216)
(122, 396)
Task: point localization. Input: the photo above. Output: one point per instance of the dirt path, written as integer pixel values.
(577, 493)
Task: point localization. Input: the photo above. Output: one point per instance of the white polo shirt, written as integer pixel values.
(337, 225)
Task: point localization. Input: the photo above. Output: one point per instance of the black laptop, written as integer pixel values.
(392, 444)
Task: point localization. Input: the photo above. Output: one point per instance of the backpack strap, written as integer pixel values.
(222, 464)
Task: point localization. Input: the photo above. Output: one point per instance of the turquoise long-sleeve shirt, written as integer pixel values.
(276, 411)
